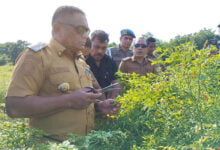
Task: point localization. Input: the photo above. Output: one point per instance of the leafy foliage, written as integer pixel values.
(11, 50)
(3, 59)
(177, 109)
(198, 38)
(5, 76)
(113, 44)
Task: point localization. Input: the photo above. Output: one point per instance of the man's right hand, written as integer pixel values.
(36, 106)
(82, 98)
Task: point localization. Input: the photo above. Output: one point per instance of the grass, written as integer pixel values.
(5, 76)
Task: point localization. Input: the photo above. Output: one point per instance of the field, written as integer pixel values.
(177, 109)
(5, 76)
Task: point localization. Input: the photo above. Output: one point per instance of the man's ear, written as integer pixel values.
(120, 38)
(56, 27)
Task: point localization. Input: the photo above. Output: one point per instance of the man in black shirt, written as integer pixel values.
(102, 66)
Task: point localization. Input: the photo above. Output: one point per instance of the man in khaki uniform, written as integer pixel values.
(137, 63)
(49, 80)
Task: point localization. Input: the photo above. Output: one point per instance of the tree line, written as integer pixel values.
(9, 51)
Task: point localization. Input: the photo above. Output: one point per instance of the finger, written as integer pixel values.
(110, 101)
(94, 95)
(107, 103)
(86, 90)
(115, 109)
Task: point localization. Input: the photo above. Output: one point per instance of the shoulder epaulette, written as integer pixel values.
(37, 47)
(82, 57)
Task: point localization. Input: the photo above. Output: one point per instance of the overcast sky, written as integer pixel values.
(30, 20)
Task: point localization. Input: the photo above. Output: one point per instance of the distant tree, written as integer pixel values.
(113, 44)
(159, 43)
(198, 38)
(12, 49)
(3, 59)
(147, 35)
(162, 44)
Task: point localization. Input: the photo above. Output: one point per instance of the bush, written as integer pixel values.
(3, 59)
(178, 109)
(5, 76)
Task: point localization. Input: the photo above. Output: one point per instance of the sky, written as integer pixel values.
(30, 20)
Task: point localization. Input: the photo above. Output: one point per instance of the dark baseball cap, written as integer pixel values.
(127, 32)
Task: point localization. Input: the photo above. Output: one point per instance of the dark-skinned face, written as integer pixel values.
(126, 41)
(139, 48)
(98, 49)
(73, 31)
(151, 48)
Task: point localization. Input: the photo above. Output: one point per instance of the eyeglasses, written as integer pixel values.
(140, 45)
(79, 28)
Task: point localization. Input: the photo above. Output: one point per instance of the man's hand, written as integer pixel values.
(82, 98)
(36, 106)
(107, 107)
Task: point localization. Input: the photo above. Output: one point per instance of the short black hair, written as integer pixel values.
(218, 26)
(102, 36)
(88, 43)
(64, 10)
(151, 39)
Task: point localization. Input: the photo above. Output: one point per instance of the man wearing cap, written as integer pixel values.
(102, 66)
(137, 63)
(51, 82)
(126, 39)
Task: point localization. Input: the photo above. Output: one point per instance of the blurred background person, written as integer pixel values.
(137, 63)
(151, 47)
(118, 53)
(102, 66)
(87, 47)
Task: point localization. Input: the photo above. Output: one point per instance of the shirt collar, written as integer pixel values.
(135, 59)
(90, 58)
(55, 45)
(80, 55)
(152, 56)
(122, 50)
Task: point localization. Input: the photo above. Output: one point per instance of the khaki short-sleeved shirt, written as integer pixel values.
(40, 73)
(159, 67)
(130, 65)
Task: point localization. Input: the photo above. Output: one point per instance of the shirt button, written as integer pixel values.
(59, 53)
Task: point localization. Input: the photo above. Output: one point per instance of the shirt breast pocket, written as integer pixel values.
(62, 77)
(86, 77)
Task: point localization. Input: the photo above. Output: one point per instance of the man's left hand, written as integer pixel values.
(108, 107)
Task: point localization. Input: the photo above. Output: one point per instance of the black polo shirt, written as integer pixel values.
(105, 73)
